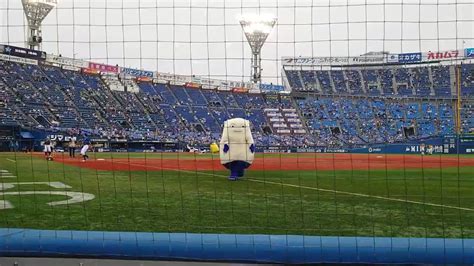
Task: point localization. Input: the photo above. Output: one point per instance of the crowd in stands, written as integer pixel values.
(49, 98)
(425, 81)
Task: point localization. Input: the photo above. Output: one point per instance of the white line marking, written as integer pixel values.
(13, 161)
(5, 186)
(6, 174)
(75, 197)
(365, 195)
(316, 189)
(5, 204)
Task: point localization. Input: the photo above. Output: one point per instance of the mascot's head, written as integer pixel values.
(237, 130)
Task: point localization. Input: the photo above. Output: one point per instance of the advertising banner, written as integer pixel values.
(392, 58)
(22, 52)
(315, 61)
(173, 79)
(16, 59)
(208, 83)
(329, 61)
(446, 55)
(469, 52)
(240, 90)
(65, 61)
(144, 79)
(103, 68)
(192, 85)
(363, 60)
(271, 88)
(90, 71)
(136, 73)
(72, 68)
(409, 58)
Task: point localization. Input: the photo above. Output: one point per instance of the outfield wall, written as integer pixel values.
(450, 144)
(444, 145)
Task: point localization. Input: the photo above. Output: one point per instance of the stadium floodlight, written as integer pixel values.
(36, 11)
(256, 29)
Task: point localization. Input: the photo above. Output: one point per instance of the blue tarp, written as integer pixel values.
(234, 247)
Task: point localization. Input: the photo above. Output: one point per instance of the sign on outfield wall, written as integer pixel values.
(271, 88)
(22, 52)
(409, 58)
(329, 61)
(173, 79)
(136, 72)
(443, 55)
(65, 61)
(16, 59)
(103, 68)
(469, 52)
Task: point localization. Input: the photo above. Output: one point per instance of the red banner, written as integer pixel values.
(192, 85)
(144, 79)
(443, 55)
(240, 90)
(90, 71)
(103, 68)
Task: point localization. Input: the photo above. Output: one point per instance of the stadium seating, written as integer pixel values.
(327, 107)
(428, 81)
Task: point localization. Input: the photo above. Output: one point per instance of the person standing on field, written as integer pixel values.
(48, 149)
(72, 148)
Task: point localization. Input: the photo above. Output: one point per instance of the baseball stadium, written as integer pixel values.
(287, 132)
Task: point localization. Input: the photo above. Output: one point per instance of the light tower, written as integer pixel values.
(256, 29)
(36, 11)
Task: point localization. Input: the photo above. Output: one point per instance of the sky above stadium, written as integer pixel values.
(204, 37)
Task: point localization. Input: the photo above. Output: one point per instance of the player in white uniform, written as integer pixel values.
(84, 150)
(48, 149)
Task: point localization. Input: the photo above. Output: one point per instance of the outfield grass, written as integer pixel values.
(344, 203)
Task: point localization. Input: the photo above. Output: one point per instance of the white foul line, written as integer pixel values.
(315, 188)
(8, 159)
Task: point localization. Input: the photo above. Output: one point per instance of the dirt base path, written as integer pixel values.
(317, 162)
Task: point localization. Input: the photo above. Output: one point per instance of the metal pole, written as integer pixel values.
(256, 68)
(458, 102)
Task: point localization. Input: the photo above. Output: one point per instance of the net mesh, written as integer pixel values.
(356, 149)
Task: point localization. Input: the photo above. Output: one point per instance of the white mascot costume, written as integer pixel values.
(237, 148)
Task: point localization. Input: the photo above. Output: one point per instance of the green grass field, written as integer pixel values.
(407, 202)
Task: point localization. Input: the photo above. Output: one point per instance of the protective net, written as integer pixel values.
(360, 124)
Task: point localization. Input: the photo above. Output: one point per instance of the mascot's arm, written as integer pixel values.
(225, 138)
(249, 139)
(252, 148)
